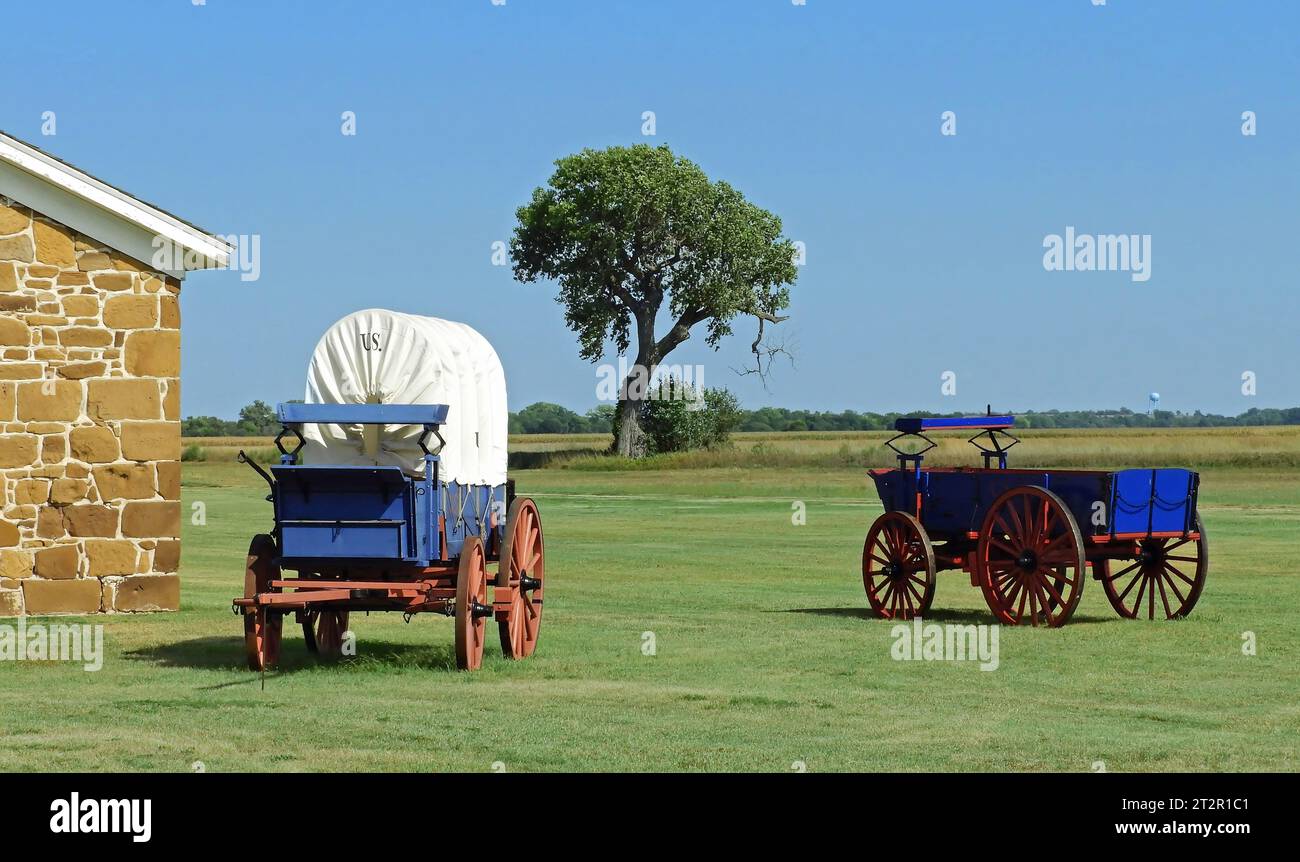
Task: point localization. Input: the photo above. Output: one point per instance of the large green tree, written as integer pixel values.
(628, 230)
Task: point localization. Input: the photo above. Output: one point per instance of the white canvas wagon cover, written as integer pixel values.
(387, 357)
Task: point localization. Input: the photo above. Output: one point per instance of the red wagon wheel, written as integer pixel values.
(1174, 568)
(262, 627)
(323, 629)
(1030, 560)
(471, 608)
(523, 566)
(898, 567)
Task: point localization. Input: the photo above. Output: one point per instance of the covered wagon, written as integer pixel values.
(391, 494)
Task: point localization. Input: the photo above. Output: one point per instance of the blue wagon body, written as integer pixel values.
(329, 515)
(380, 538)
(1026, 536)
(1137, 502)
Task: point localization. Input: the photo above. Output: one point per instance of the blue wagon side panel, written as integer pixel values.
(1173, 508)
(1160, 501)
(955, 501)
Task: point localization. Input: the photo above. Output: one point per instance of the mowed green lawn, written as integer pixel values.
(764, 657)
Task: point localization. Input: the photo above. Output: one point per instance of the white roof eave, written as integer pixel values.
(66, 185)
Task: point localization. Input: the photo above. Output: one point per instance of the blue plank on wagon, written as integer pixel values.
(916, 424)
(363, 414)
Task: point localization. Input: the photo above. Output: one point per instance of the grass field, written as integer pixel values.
(764, 655)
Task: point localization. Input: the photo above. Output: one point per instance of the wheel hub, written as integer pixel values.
(1027, 560)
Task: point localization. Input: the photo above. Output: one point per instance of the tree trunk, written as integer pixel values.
(630, 439)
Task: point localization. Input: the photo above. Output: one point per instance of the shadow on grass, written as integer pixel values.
(227, 653)
(936, 615)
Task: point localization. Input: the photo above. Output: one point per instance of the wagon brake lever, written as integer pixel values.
(244, 459)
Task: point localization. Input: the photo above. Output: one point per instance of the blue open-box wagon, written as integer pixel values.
(378, 538)
(1028, 537)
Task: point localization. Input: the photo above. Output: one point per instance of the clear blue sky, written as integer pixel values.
(924, 251)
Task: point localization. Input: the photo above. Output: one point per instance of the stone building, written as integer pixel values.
(90, 440)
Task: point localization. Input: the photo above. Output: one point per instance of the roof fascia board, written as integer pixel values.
(85, 204)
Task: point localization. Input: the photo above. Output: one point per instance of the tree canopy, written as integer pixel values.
(626, 230)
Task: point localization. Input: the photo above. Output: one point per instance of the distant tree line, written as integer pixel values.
(781, 419)
(255, 420)
(258, 420)
(543, 418)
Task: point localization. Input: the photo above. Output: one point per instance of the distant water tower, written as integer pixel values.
(1153, 401)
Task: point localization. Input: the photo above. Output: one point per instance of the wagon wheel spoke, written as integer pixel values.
(1047, 585)
(1038, 526)
(1061, 558)
(1136, 578)
(1173, 571)
(1035, 601)
(1122, 572)
(1190, 581)
(1164, 598)
(918, 595)
(1049, 518)
(1045, 603)
(906, 599)
(1018, 527)
(529, 618)
(1024, 596)
(892, 540)
(1173, 586)
(1063, 537)
(1034, 521)
(1004, 547)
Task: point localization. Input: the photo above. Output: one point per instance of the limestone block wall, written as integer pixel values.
(89, 424)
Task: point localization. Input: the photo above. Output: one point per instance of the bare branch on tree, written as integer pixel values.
(765, 353)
